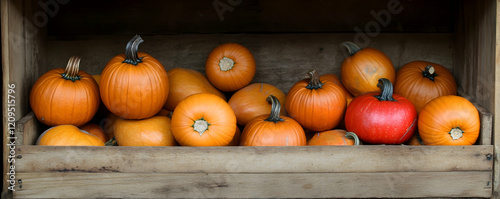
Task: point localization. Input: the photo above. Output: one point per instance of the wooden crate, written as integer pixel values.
(287, 38)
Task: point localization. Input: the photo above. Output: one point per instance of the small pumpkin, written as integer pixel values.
(134, 85)
(334, 137)
(449, 120)
(337, 81)
(68, 135)
(415, 140)
(185, 82)
(236, 139)
(381, 117)
(250, 101)
(154, 131)
(203, 119)
(317, 103)
(230, 67)
(96, 130)
(363, 68)
(108, 124)
(65, 96)
(273, 130)
(421, 81)
(164, 112)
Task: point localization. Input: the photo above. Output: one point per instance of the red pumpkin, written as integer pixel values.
(65, 96)
(334, 137)
(421, 82)
(134, 85)
(273, 130)
(317, 103)
(381, 118)
(363, 68)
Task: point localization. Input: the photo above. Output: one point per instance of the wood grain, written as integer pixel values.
(255, 185)
(28, 129)
(486, 118)
(496, 113)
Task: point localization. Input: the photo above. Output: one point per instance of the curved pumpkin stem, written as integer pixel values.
(275, 109)
(352, 48)
(354, 137)
(314, 83)
(429, 72)
(71, 71)
(131, 50)
(386, 87)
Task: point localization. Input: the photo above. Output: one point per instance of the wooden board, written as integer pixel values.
(486, 118)
(255, 185)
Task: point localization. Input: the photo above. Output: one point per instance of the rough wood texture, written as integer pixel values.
(255, 185)
(282, 59)
(28, 129)
(496, 122)
(485, 136)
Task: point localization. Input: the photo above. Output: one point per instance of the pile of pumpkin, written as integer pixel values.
(139, 94)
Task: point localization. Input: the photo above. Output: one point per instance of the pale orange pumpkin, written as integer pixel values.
(96, 130)
(68, 135)
(154, 131)
(334, 137)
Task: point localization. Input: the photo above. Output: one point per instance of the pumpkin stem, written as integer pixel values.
(456, 133)
(131, 56)
(275, 109)
(352, 48)
(386, 87)
(354, 137)
(71, 71)
(111, 142)
(314, 83)
(226, 64)
(429, 72)
(200, 126)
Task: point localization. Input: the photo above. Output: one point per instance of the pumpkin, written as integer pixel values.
(363, 68)
(273, 130)
(230, 67)
(134, 85)
(337, 81)
(164, 112)
(68, 135)
(449, 120)
(236, 139)
(154, 131)
(97, 78)
(421, 81)
(185, 82)
(415, 140)
(250, 101)
(65, 96)
(96, 130)
(203, 119)
(108, 124)
(381, 118)
(317, 103)
(334, 137)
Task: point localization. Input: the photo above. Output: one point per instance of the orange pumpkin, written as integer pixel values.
(334, 137)
(164, 112)
(250, 101)
(68, 135)
(97, 78)
(230, 67)
(273, 130)
(154, 131)
(108, 124)
(203, 119)
(337, 81)
(134, 85)
(185, 82)
(415, 140)
(449, 120)
(317, 103)
(236, 138)
(65, 96)
(361, 71)
(421, 81)
(96, 130)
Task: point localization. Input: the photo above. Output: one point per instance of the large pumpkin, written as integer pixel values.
(68, 135)
(449, 120)
(421, 81)
(185, 82)
(250, 102)
(361, 71)
(134, 85)
(333, 137)
(317, 103)
(203, 119)
(230, 67)
(154, 131)
(273, 130)
(65, 96)
(337, 81)
(381, 117)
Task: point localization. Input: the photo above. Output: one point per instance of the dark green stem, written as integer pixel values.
(429, 72)
(352, 48)
(111, 142)
(314, 83)
(131, 51)
(386, 87)
(71, 71)
(275, 109)
(354, 137)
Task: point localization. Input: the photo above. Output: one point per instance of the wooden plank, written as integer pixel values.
(28, 129)
(486, 118)
(258, 185)
(255, 159)
(496, 113)
(282, 59)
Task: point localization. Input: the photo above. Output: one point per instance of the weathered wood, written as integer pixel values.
(28, 129)
(255, 185)
(255, 159)
(496, 113)
(486, 118)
